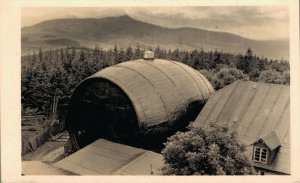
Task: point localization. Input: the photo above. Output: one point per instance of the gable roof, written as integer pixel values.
(104, 157)
(40, 168)
(272, 140)
(255, 111)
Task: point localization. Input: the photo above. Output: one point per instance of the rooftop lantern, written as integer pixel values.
(148, 55)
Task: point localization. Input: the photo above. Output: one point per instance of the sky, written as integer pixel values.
(253, 22)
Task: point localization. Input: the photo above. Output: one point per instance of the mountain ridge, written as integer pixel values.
(125, 30)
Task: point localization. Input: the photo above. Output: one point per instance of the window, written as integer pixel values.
(261, 154)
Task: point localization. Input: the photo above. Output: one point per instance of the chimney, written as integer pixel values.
(148, 55)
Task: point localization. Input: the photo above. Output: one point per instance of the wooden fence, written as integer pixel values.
(31, 144)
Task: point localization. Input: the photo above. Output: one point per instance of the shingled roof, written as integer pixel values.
(256, 111)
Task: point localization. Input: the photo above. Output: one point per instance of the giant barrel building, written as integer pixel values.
(138, 102)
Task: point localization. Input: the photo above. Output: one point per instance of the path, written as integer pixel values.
(51, 151)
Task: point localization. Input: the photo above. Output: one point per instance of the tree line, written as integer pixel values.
(50, 73)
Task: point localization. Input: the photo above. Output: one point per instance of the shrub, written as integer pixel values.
(206, 151)
(273, 76)
(227, 76)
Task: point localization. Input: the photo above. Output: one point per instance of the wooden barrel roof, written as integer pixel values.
(159, 90)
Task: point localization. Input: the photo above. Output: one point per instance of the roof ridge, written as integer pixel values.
(133, 160)
(272, 140)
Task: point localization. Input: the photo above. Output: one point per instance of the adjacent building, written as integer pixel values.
(260, 115)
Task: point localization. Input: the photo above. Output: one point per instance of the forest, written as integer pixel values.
(55, 73)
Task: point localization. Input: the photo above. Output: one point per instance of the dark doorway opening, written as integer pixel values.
(102, 110)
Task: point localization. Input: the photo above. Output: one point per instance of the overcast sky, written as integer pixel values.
(261, 23)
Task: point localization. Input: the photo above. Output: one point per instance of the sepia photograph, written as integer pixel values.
(155, 91)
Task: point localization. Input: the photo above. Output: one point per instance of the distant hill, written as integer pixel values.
(125, 30)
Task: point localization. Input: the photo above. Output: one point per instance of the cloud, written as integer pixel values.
(250, 22)
(32, 16)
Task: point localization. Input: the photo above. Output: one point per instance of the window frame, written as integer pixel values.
(259, 150)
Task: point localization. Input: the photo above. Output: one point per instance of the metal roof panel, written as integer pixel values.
(103, 157)
(253, 110)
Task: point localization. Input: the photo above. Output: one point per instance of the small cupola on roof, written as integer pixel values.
(137, 102)
(148, 55)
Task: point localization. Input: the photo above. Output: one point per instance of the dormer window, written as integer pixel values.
(261, 154)
(265, 149)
